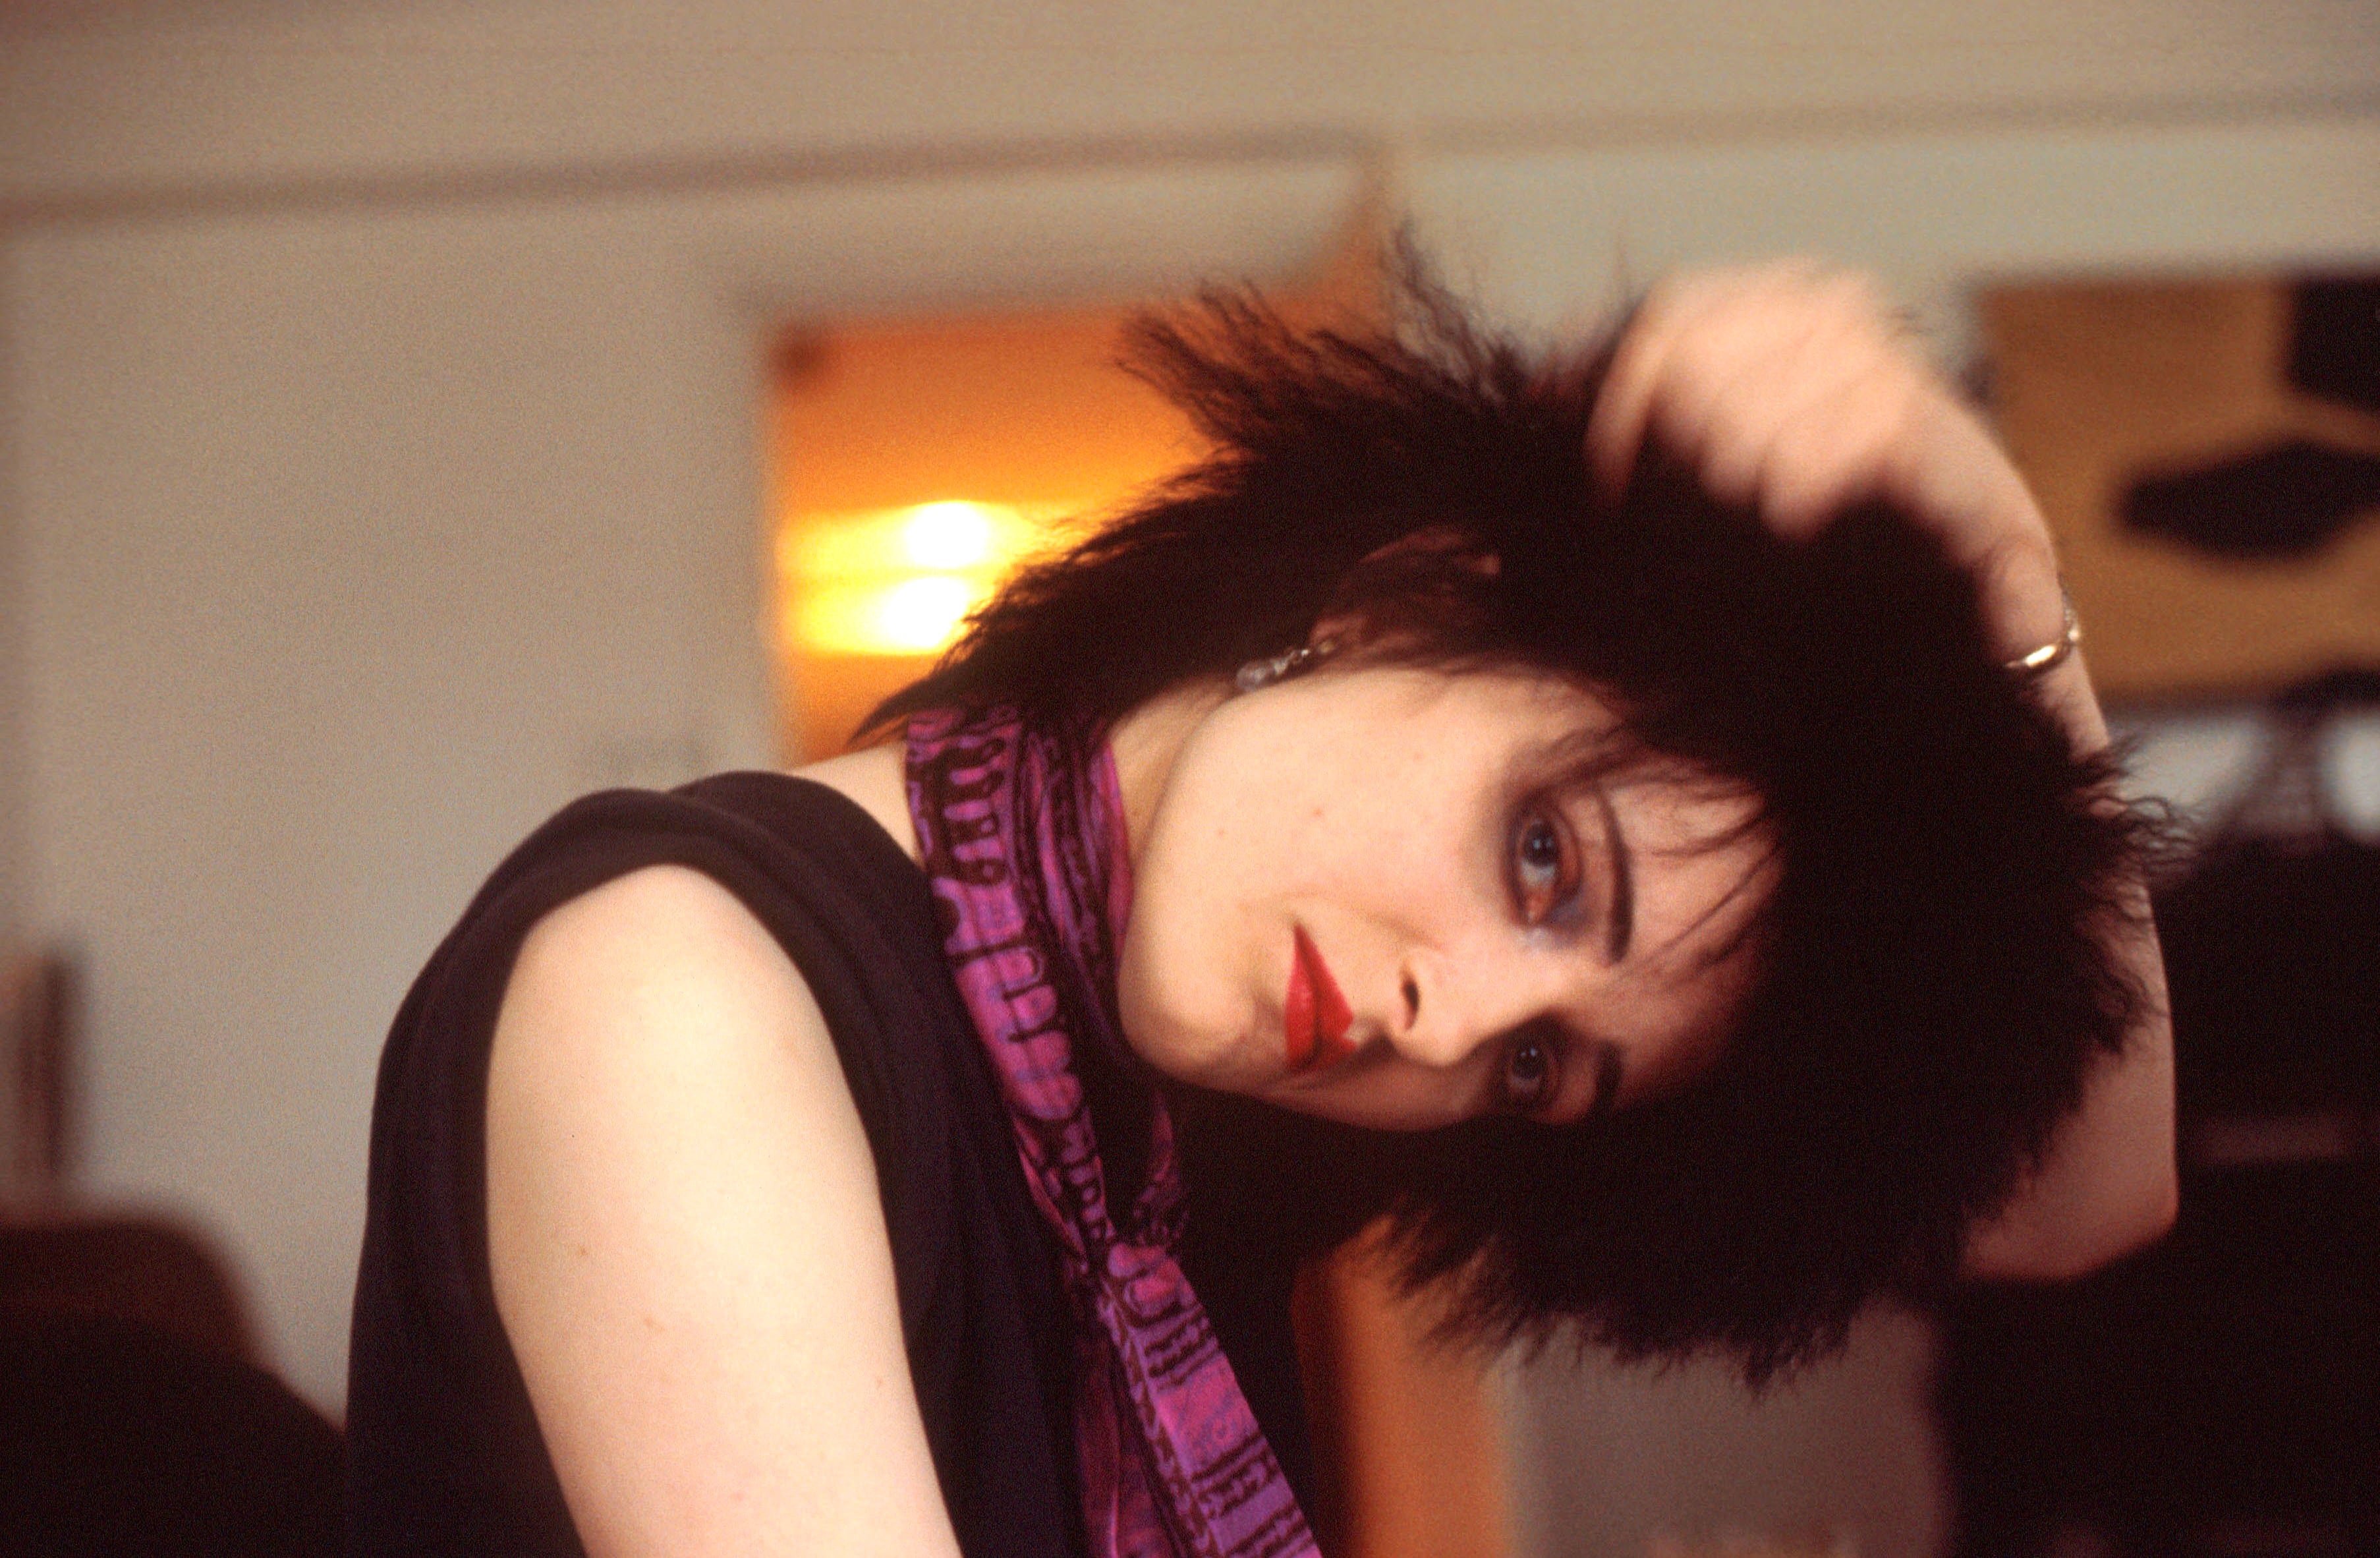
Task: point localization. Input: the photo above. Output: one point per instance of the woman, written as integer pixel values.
(1641, 823)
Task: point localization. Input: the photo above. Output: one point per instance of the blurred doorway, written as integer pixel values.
(915, 462)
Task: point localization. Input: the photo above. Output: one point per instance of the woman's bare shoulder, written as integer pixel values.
(661, 925)
(688, 1253)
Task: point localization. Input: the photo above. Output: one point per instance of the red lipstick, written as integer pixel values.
(1315, 1017)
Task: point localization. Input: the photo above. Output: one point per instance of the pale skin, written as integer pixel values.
(688, 1253)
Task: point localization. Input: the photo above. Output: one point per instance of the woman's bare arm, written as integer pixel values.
(2107, 1185)
(1793, 389)
(689, 1254)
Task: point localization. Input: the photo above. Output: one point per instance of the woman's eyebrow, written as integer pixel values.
(1620, 917)
(1608, 1077)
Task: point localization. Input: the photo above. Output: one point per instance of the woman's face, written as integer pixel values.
(1387, 896)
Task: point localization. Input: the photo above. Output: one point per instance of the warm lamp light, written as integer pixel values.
(947, 535)
(917, 615)
(922, 614)
(899, 581)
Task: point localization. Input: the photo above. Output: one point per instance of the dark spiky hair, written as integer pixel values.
(1933, 977)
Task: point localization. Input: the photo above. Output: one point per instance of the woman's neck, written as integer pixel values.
(1145, 743)
(1118, 1091)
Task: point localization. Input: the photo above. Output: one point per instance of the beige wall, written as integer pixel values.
(124, 96)
(379, 416)
(357, 541)
(1838, 1458)
(13, 885)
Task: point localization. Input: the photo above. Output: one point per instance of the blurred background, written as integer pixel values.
(416, 412)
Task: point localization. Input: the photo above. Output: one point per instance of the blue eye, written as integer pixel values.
(1545, 867)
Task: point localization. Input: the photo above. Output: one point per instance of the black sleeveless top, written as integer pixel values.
(445, 1454)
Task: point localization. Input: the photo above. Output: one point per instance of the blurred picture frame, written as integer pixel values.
(2207, 451)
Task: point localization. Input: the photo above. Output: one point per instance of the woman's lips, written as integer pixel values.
(1314, 1015)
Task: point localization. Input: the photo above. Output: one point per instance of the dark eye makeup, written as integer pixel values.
(1545, 871)
(1529, 1079)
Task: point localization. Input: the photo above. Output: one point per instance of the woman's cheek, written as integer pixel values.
(1168, 999)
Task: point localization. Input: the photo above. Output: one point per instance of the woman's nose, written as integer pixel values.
(1453, 1004)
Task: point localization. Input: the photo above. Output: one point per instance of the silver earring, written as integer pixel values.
(1258, 674)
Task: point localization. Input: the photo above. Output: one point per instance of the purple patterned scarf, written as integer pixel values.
(1025, 849)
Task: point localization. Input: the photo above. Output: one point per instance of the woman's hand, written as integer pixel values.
(1795, 390)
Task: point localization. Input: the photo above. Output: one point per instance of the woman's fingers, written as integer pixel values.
(1719, 365)
(1797, 446)
(1690, 334)
(1794, 390)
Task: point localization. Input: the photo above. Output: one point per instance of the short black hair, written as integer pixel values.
(1933, 981)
